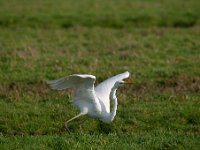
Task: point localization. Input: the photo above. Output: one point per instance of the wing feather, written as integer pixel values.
(76, 81)
(83, 85)
(104, 88)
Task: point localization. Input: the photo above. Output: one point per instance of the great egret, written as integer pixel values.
(92, 101)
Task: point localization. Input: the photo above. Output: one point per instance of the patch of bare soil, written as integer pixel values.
(19, 87)
(14, 91)
(180, 84)
(176, 84)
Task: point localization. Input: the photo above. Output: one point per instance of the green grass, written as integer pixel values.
(157, 41)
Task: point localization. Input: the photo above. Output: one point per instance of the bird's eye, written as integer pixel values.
(121, 83)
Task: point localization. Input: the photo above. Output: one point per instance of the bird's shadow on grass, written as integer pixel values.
(104, 128)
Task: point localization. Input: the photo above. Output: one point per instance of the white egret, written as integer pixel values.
(92, 101)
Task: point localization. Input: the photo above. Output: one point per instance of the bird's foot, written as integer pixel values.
(66, 127)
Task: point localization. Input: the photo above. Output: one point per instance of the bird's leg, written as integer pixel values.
(66, 123)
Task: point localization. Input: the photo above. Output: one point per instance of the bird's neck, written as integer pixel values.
(112, 114)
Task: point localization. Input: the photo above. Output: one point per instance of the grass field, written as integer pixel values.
(157, 41)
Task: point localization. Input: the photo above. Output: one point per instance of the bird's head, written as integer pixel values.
(121, 83)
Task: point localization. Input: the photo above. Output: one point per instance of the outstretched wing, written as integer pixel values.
(83, 85)
(76, 82)
(103, 89)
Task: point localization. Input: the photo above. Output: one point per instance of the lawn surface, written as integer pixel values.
(157, 41)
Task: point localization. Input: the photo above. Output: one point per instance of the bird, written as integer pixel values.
(90, 100)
